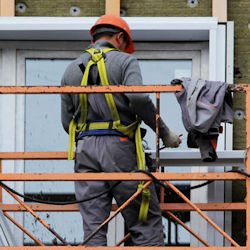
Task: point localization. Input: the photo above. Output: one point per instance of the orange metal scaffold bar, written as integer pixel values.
(122, 248)
(130, 176)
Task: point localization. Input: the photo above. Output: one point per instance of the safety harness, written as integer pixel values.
(84, 128)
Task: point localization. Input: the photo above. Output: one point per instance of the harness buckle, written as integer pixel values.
(87, 128)
(110, 125)
(97, 55)
(95, 51)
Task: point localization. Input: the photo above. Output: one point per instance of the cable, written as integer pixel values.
(117, 183)
(240, 172)
(57, 202)
(197, 186)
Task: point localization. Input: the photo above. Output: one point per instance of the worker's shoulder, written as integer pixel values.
(122, 57)
(74, 65)
(73, 71)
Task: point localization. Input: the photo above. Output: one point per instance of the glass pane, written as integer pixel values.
(43, 129)
(44, 132)
(163, 72)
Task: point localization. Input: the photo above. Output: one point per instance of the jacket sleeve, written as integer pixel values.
(67, 107)
(140, 103)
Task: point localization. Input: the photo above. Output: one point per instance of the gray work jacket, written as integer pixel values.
(122, 69)
(204, 105)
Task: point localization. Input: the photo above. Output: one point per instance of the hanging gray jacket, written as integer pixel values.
(204, 104)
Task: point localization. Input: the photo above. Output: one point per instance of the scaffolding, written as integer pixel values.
(163, 177)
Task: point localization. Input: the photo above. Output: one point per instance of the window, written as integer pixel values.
(160, 64)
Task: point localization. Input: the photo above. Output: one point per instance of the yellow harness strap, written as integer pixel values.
(132, 130)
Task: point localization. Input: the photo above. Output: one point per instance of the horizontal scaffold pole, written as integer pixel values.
(118, 176)
(88, 89)
(101, 89)
(164, 207)
(121, 248)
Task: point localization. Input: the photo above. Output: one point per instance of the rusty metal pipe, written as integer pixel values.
(1, 190)
(157, 118)
(241, 206)
(23, 229)
(36, 216)
(127, 236)
(103, 89)
(122, 207)
(201, 213)
(121, 248)
(33, 155)
(118, 176)
(88, 89)
(187, 228)
(248, 169)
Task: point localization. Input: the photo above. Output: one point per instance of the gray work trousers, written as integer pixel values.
(110, 154)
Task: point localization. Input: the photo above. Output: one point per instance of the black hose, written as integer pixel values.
(58, 202)
(102, 193)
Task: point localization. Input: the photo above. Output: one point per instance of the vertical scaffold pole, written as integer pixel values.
(157, 161)
(248, 167)
(157, 132)
(1, 190)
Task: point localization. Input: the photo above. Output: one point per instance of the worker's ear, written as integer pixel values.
(120, 37)
(120, 41)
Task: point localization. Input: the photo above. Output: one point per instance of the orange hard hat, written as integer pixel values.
(117, 22)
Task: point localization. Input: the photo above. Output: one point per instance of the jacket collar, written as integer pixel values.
(102, 44)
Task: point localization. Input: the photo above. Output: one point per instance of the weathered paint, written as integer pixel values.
(187, 228)
(121, 248)
(248, 169)
(36, 217)
(88, 89)
(23, 229)
(1, 191)
(201, 213)
(157, 122)
(127, 236)
(164, 207)
(130, 176)
(102, 89)
(118, 176)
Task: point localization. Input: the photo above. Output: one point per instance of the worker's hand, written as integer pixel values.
(171, 140)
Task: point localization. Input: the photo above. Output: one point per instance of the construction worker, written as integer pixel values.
(106, 131)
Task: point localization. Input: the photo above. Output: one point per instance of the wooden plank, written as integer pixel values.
(118, 176)
(112, 7)
(219, 9)
(7, 8)
(164, 206)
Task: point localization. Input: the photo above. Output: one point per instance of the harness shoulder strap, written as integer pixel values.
(97, 57)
